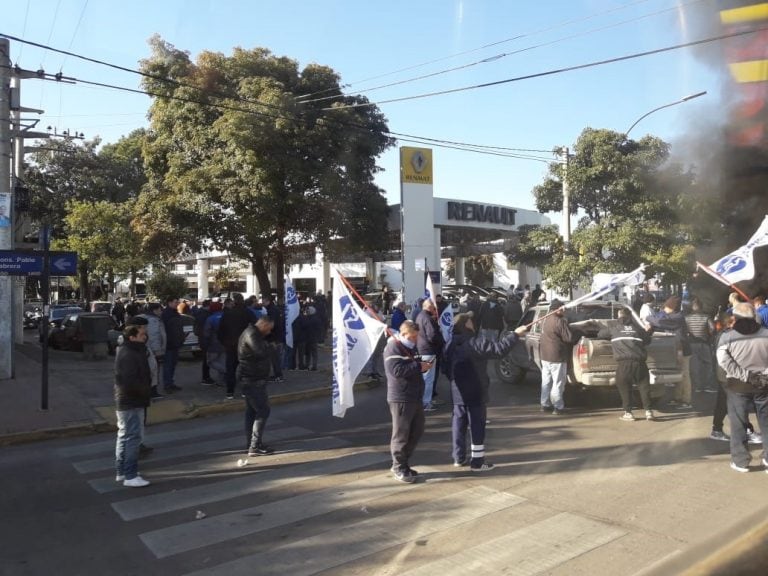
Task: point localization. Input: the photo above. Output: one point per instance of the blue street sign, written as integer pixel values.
(29, 263)
(63, 263)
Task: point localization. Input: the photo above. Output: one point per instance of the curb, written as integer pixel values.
(187, 412)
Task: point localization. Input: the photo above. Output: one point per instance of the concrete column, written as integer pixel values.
(323, 278)
(370, 273)
(202, 278)
(252, 283)
(460, 262)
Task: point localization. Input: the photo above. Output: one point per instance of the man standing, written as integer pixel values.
(491, 318)
(234, 320)
(430, 345)
(155, 342)
(174, 338)
(466, 366)
(254, 356)
(118, 313)
(628, 342)
(405, 393)
(201, 316)
(743, 353)
(277, 337)
(701, 329)
(133, 383)
(556, 346)
(670, 319)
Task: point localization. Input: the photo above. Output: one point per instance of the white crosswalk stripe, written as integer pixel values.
(297, 512)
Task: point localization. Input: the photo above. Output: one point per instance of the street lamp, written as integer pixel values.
(564, 152)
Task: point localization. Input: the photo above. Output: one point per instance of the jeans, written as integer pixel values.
(429, 379)
(407, 429)
(739, 405)
(702, 366)
(169, 366)
(130, 432)
(257, 410)
(474, 417)
(553, 383)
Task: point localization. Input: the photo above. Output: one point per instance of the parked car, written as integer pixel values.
(592, 363)
(191, 343)
(70, 335)
(55, 316)
(101, 306)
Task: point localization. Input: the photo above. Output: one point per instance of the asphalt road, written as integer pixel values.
(583, 493)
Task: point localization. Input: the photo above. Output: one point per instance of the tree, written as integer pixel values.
(163, 285)
(631, 199)
(239, 157)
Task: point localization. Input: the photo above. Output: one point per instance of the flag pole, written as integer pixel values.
(365, 304)
(722, 279)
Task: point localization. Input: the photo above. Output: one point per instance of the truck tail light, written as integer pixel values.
(582, 353)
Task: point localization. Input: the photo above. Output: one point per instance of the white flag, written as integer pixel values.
(429, 290)
(739, 265)
(355, 335)
(292, 310)
(637, 276)
(446, 323)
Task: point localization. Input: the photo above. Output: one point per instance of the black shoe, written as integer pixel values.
(156, 396)
(547, 408)
(172, 388)
(145, 450)
(558, 411)
(260, 450)
(412, 472)
(208, 382)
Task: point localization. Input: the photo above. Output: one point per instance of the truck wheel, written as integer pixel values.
(509, 372)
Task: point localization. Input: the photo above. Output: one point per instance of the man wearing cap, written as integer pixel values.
(466, 367)
(742, 352)
(556, 345)
(670, 319)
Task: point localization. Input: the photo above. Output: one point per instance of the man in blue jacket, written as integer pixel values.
(466, 366)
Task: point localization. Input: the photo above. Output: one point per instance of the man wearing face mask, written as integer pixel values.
(628, 342)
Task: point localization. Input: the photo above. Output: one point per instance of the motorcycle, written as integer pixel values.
(32, 318)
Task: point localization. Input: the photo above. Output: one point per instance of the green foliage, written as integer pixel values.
(478, 269)
(634, 205)
(163, 285)
(264, 171)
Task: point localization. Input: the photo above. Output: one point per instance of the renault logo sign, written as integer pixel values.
(416, 165)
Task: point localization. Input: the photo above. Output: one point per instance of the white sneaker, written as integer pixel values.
(649, 415)
(136, 482)
(719, 435)
(738, 468)
(754, 438)
(627, 417)
(119, 478)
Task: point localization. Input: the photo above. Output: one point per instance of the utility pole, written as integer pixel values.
(565, 152)
(6, 200)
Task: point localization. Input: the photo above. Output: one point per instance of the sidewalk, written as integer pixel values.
(80, 398)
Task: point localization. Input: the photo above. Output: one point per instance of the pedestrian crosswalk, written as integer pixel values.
(321, 504)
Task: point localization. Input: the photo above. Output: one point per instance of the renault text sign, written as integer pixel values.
(416, 165)
(471, 212)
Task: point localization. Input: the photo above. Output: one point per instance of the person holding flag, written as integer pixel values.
(292, 311)
(430, 343)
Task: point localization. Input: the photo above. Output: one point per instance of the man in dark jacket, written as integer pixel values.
(491, 319)
(466, 366)
(556, 346)
(405, 392)
(277, 337)
(742, 352)
(628, 342)
(133, 385)
(233, 322)
(430, 346)
(670, 319)
(254, 356)
(201, 317)
(174, 338)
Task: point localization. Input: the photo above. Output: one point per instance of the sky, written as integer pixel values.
(375, 43)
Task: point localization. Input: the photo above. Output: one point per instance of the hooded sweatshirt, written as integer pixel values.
(741, 350)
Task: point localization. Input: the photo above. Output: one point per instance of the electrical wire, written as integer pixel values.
(502, 55)
(555, 71)
(491, 45)
(74, 34)
(23, 30)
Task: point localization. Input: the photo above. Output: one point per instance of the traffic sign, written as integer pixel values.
(30, 263)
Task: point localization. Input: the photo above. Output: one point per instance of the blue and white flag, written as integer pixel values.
(739, 265)
(292, 310)
(610, 284)
(446, 318)
(355, 335)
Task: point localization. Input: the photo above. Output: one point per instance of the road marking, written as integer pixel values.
(202, 468)
(160, 438)
(213, 530)
(262, 481)
(235, 443)
(534, 549)
(336, 547)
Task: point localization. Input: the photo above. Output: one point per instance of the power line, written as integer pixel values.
(555, 71)
(74, 34)
(491, 45)
(500, 56)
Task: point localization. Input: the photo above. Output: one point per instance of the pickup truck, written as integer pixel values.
(592, 363)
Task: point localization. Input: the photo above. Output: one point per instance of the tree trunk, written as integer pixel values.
(85, 286)
(132, 288)
(260, 269)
